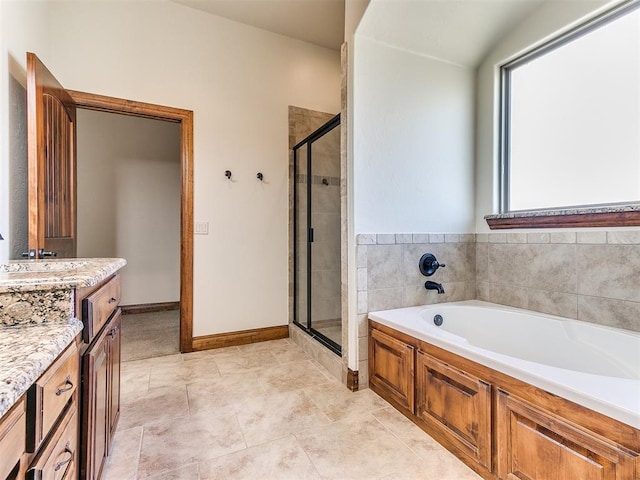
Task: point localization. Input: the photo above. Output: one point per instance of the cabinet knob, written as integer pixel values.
(113, 299)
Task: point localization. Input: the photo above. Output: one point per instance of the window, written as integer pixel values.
(570, 123)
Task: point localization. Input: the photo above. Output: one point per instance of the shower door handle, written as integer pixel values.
(310, 234)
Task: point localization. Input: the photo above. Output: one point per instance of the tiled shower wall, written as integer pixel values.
(593, 276)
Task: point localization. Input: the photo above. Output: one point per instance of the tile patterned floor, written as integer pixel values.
(263, 411)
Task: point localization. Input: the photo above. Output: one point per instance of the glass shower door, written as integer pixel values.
(317, 285)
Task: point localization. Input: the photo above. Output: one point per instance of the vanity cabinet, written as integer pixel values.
(13, 428)
(391, 369)
(52, 420)
(100, 377)
(534, 444)
(456, 404)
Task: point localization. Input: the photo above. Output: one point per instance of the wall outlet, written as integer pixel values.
(202, 228)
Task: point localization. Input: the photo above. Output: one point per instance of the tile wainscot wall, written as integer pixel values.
(593, 276)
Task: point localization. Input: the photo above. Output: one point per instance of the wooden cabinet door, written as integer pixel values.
(115, 335)
(457, 405)
(534, 445)
(95, 408)
(51, 132)
(391, 369)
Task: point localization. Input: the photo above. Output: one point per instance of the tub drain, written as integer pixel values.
(438, 320)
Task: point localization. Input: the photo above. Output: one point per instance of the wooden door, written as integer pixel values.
(51, 125)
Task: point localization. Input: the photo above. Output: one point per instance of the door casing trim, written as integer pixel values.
(101, 103)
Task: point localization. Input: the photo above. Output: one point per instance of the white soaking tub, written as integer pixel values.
(592, 365)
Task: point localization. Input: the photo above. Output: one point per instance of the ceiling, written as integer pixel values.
(458, 31)
(320, 22)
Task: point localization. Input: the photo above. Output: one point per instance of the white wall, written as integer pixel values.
(413, 142)
(551, 19)
(23, 27)
(129, 201)
(239, 81)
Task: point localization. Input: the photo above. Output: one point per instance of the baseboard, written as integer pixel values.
(149, 307)
(352, 380)
(219, 340)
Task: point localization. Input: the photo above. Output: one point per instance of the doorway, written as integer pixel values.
(184, 118)
(128, 191)
(316, 248)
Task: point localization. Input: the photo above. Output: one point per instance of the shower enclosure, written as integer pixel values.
(316, 255)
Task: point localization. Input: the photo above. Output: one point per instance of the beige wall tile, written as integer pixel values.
(563, 237)
(538, 237)
(404, 238)
(384, 299)
(611, 271)
(594, 237)
(553, 303)
(550, 267)
(384, 266)
(507, 294)
(386, 238)
(361, 254)
(366, 239)
(517, 238)
(613, 313)
(420, 238)
(628, 237)
(503, 259)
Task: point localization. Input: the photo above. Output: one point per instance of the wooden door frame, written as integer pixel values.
(101, 103)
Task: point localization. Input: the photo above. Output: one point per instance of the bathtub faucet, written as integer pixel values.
(429, 285)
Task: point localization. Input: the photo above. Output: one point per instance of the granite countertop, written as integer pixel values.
(26, 351)
(566, 211)
(60, 274)
(37, 318)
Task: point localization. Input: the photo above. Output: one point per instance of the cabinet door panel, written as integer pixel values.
(457, 404)
(391, 369)
(95, 399)
(534, 445)
(115, 334)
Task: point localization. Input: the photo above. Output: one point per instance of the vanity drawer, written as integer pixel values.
(47, 398)
(58, 460)
(12, 438)
(98, 307)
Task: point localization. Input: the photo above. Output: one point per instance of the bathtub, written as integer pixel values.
(592, 365)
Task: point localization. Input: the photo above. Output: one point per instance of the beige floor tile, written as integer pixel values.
(223, 391)
(134, 380)
(122, 464)
(148, 407)
(357, 448)
(409, 433)
(189, 472)
(437, 461)
(289, 353)
(282, 459)
(180, 374)
(210, 353)
(172, 444)
(278, 415)
(292, 376)
(233, 363)
(338, 402)
(148, 363)
(262, 346)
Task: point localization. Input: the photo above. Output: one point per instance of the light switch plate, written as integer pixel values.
(202, 228)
